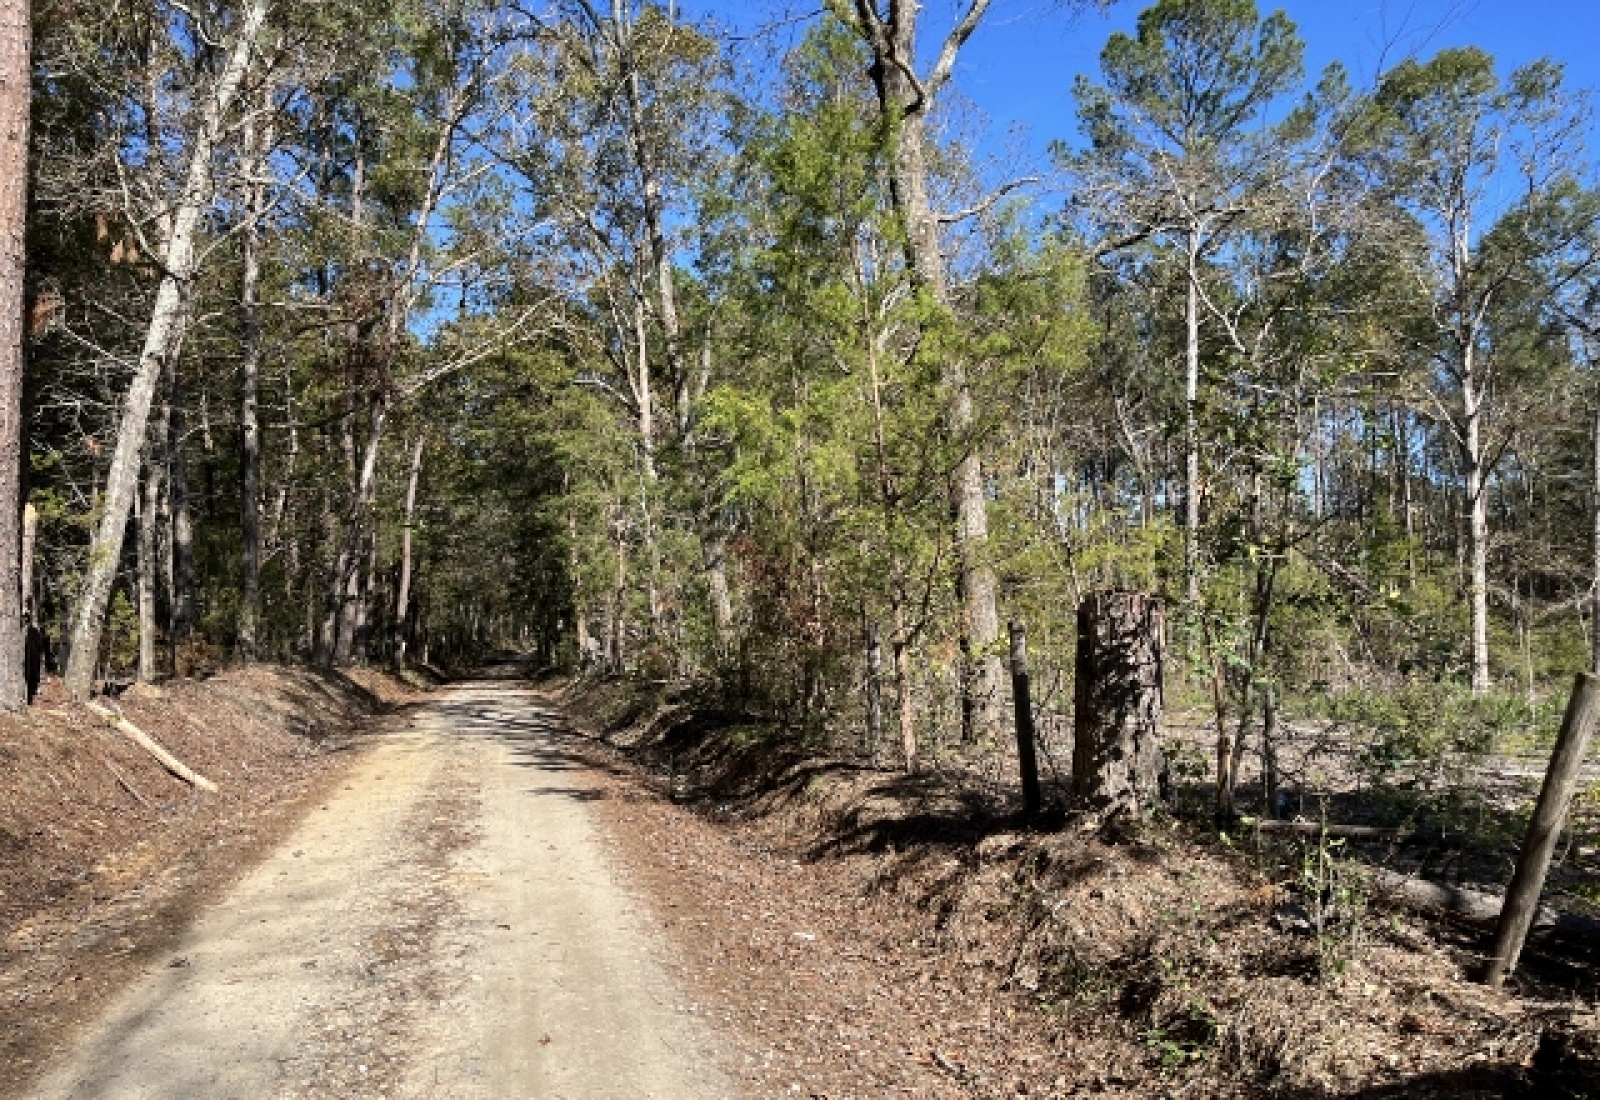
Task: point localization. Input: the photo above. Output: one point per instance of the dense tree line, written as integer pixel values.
(386, 329)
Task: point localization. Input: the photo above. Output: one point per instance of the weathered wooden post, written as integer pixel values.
(1555, 797)
(1022, 702)
(1117, 765)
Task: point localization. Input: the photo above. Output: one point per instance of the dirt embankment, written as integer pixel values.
(883, 935)
(104, 856)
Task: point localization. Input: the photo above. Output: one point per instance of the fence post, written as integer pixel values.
(1555, 797)
(1022, 702)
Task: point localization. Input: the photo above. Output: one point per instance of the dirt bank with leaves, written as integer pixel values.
(105, 856)
(877, 932)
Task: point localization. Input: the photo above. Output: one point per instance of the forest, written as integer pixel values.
(388, 331)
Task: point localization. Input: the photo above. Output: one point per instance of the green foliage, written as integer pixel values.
(603, 456)
(122, 635)
(1331, 893)
(1198, 69)
(1422, 729)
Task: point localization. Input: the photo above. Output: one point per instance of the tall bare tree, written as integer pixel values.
(1447, 134)
(178, 255)
(257, 140)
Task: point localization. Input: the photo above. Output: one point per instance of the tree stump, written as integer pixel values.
(1117, 765)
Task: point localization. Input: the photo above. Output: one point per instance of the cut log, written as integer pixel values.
(1474, 906)
(152, 746)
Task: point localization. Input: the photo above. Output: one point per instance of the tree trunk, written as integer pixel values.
(1022, 706)
(617, 633)
(1225, 739)
(167, 320)
(1117, 765)
(30, 542)
(982, 703)
(402, 599)
(16, 75)
(1594, 592)
(182, 591)
(256, 141)
(905, 706)
(580, 613)
(1477, 503)
(325, 624)
(1269, 751)
(1191, 427)
(714, 545)
(1544, 829)
(644, 154)
(874, 731)
(361, 627)
(1404, 435)
(642, 395)
(147, 512)
(904, 104)
(342, 588)
(345, 621)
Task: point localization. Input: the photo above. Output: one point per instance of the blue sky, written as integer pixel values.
(1019, 67)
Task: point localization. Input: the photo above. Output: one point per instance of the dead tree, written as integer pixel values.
(1117, 765)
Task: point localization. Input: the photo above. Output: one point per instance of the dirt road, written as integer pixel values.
(447, 925)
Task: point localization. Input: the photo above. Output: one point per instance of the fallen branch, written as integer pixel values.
(1474, 906)
(953, 1068)
(152, 746)
(129, 787)
(1317, 828)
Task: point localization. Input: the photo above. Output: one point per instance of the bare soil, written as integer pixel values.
(868, 934)
(105, 857)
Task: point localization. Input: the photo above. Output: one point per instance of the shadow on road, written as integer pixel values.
(537, 738)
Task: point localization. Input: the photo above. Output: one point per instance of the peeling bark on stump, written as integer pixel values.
(1117, 765)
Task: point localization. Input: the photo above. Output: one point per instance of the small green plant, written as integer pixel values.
(1335, 905)
(1188, 1037)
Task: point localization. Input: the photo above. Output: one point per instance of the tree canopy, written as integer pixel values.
(396, 330)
